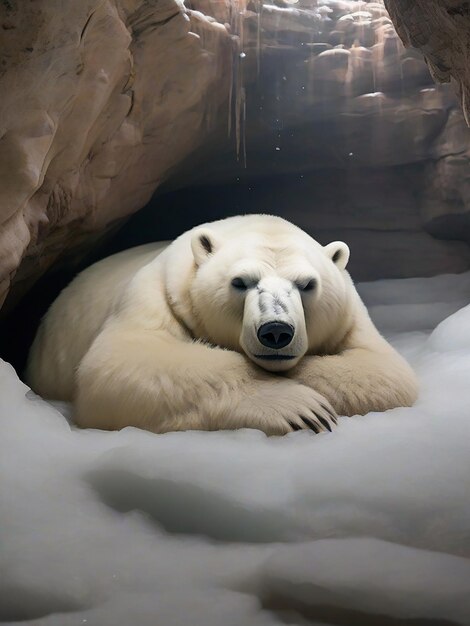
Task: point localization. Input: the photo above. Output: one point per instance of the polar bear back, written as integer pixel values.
(83, 306)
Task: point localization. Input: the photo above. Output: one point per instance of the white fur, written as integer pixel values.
(157, 337)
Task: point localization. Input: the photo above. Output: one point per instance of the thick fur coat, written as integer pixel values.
(244, 322)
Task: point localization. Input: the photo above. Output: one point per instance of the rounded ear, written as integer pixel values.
(203, 244)
(338, 252)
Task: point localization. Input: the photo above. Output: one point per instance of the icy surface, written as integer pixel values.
(367, 525)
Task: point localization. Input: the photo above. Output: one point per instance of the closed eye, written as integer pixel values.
(307, 285)
(239, 284)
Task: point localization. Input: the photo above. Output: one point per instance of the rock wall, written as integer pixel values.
(440, 29)
(105, 102)
(376, 210)
(369, 147)
(100, 100)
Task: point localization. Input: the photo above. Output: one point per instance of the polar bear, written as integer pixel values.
(243, 322)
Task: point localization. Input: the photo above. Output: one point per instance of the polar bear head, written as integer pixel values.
(266, 288)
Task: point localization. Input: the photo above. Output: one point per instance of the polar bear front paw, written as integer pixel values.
(283, 406)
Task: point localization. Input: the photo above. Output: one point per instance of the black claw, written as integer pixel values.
(294, 426)
(324, 422)
(333, 416)
(310, 424)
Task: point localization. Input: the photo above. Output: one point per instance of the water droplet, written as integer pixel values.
(278, 148)
(242, 55)
(351, 154)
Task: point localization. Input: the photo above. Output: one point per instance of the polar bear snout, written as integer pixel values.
(275, 335)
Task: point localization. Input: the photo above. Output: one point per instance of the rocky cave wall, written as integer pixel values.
(93, 96)
(440, 29)
(106, 104)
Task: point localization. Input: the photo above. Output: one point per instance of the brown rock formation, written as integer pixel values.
(99, 101)
(441, 30)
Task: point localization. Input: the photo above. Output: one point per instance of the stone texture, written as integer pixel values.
(100, 100)
(328, 84)
(441, 30)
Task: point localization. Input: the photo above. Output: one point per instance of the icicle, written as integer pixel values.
(237, 91)
(258, 37)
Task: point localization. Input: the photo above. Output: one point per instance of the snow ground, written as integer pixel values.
(367, 525)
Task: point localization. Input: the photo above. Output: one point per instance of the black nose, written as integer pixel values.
(275, 335)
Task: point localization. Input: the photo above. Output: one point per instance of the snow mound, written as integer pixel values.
(369, 524)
